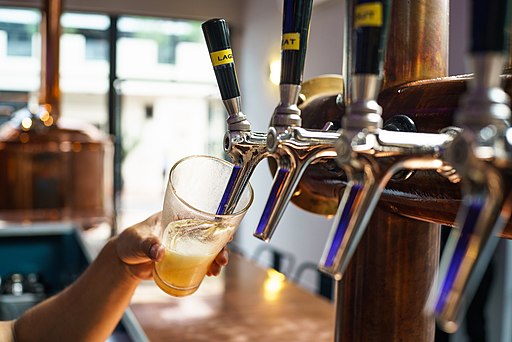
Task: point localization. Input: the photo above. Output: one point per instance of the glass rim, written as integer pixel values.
(182, 200)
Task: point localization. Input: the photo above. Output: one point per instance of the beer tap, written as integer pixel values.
(245, 147)
(293, 147)
(369, 154)
(483, 156)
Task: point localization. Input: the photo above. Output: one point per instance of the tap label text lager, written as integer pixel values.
(222, 57)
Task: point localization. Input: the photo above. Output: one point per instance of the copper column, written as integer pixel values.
(383, 293)
(50, 61)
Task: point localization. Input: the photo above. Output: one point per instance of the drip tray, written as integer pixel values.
(42, 259)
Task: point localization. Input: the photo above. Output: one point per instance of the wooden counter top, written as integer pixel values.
(245, 303)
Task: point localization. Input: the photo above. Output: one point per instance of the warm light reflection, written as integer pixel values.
(275, 71)
(273, 284)
(24, 138)
(45, 115)
(26, 123)
(76, 147)
(49, 121)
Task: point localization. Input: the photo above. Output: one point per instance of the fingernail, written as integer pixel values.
(153, 252)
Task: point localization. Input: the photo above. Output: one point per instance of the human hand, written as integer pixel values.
(139, 246)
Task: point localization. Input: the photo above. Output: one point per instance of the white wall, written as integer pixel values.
(300, 232)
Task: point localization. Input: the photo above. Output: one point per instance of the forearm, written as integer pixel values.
(88, 310)
(6, 331)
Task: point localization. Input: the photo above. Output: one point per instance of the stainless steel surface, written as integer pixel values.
(365, 87)
(247, 150)
(294, 150)
(487, 68)
(370, 162)
(483, 156)
(236, 119)
(287, 114)
(364, 112)
(485, 103)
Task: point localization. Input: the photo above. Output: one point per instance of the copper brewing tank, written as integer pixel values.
(51, 168)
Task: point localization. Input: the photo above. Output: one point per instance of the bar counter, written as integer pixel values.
(244, 303)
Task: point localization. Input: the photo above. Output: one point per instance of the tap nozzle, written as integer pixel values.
(245, 147)
(293, 153)
(480, 154)
(289, 144)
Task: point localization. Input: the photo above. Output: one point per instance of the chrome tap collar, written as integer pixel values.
(365, 87)
(236, 120)
(364, 112)
(287, 113)
(487, 68)
(485, 103)
(484, 107)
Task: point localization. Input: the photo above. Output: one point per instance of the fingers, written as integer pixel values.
(139, 243)
(220, 260)
(223, 257)
(142, 271)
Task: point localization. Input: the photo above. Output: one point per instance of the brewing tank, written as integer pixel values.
(52, 168)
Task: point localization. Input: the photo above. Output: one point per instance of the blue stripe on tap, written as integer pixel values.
(221, 210)
(474, 210)
(282, 175)
(342, 224)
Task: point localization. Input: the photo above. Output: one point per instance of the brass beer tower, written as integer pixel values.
(384, 291)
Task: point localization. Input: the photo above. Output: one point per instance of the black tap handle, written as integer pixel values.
(488, 25)
(370, 34)
(296, 19)
(216, 34)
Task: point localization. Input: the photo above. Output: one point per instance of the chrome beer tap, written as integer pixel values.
(370, 154)
(245, 147)
(483, 156)
(293, 147)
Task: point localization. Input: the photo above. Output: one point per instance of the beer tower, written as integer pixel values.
(399, 170)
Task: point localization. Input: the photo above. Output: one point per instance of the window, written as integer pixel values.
(167, 96)
(19, 41)
(92, 30)
(170, 106)
(84, 67)
(19, 50)
(96, 49)
(20, 26)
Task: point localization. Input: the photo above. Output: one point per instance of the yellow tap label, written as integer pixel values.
(290, 41)
(368, 14)
(222, 57)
